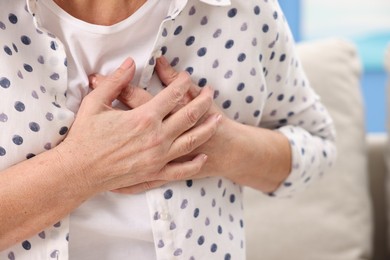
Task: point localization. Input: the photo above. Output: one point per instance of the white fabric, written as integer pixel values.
(245, 51)
(109, 226)
(332, 220)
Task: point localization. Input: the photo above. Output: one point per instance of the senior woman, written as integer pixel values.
(176, 160)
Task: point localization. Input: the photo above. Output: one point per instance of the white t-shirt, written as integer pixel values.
(108, 226)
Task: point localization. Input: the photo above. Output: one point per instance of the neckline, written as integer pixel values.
(94, 28)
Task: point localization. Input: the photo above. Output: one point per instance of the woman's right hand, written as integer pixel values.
(107, 149)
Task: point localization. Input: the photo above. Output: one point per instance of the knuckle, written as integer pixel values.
(192, 116)
(179, 174)
(147, 185)
(128, 93)
(190, 144)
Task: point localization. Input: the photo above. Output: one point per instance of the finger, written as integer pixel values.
(194, 138)
(176, 171)
(189, 115)
(131, 96)
(170, 97)
(111, 86)
(168, 74)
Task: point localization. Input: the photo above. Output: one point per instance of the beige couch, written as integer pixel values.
(343, 216)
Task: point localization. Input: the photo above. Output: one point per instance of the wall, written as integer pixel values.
(367, 24)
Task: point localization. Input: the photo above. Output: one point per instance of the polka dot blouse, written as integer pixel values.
(243, 49)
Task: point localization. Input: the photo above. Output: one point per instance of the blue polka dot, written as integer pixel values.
(192, 11)
(226, 104)
(164, 50)
(241, 57)
(63, 130)
(275, 15)
(189, 183)
(190, 70)
(2, 151)
(15, 48)
(282, 57)
(2, 26)
(204, 20)
(175, 61)
(190, 40)
(240, 86)
(151, 61)
(27, 67)
(178, 30)
(41, 59)
(164, 32)
(229, 44)
(26, 245)
(228, 257)
(219, 229)
(57, 225)
(189, 233)
(25, 40)
(202, 82)
(55, 76)
(34, 127)
(265, 28)
(256, 113)
(280, 97)
(213, 248)
(4, 82)
(178, 252)
(217, 33)
(272, 56)
(202, 51)
(53, 45)
(12, 18)
(11, 256)
(168, 194)
(8, 50)
(17, 139)
(232, 198)
(249, 99)
(19, 106)
(201, 240)
(232, 12)
(196, 213)
(256, 10)
(30, 155)
(283, 121)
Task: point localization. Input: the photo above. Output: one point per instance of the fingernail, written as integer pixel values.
(127, 64)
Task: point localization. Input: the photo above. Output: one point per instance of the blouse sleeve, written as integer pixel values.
(295, 110)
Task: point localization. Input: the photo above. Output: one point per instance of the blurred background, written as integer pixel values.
(367, 24)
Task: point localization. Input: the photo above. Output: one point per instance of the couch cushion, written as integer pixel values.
(331, 220)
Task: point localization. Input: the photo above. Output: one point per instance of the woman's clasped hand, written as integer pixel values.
(136, 148)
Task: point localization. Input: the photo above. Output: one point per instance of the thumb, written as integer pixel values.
(107, 89)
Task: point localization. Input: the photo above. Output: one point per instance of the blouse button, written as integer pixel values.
(164, 215)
